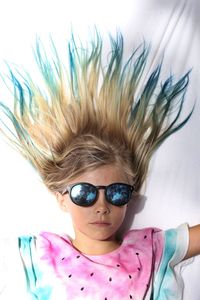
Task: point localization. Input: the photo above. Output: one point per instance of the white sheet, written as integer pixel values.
(173, 189)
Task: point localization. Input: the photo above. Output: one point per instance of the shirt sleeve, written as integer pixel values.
(20, 274)
(12, 276)
(168, 283)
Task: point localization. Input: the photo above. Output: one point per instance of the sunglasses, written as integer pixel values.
(86, 194)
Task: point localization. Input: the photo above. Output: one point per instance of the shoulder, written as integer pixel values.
(30, 248)
(53, 240)
(43, 239)
(145, 236)
(153, 234)
(171, 242)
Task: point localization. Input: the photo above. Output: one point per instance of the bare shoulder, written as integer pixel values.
(194, 242)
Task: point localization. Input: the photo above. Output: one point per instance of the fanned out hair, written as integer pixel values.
(90, 114)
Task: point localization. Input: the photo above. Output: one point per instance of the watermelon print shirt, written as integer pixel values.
(48, 267)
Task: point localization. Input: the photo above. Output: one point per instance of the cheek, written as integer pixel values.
(78, 214)
(124, 210)
(120, 213)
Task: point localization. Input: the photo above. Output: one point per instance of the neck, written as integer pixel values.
(95, 247)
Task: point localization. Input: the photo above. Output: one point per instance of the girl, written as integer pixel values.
(91, 132)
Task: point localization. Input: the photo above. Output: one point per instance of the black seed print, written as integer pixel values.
(82, 288)
(118, 265)
(137, 253)
(63, 258)
(145, 236)
(105, 299)
(138, 269)
(110, 279)
(131, 297)
(78, 256)
(70, 275)
(130, 276)
(91, 274)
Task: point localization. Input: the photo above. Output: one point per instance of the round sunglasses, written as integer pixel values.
(86, 194)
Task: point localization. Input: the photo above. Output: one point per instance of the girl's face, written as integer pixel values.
(100, 221)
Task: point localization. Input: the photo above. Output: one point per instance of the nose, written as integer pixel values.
(102, 206)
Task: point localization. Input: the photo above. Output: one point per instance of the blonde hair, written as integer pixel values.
(90, 115)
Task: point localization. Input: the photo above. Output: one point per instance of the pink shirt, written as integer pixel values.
(141, 268)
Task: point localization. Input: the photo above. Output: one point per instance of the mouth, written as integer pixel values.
(101, 223)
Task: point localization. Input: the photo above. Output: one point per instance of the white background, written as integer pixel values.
(173, 186)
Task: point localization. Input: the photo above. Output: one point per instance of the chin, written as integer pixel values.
(103, 237)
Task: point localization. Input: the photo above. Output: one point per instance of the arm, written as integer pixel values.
(194, 242)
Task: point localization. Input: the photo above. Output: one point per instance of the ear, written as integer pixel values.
(62, 201)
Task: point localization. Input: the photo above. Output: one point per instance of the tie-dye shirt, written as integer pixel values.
(48, 267)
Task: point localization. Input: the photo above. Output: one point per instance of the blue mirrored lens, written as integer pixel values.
(118, 194)
(83, 194)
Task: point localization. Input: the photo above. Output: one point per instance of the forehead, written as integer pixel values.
(103, 175)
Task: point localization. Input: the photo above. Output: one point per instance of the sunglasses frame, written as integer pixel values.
(69, 188)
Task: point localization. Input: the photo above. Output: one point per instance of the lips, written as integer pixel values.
(100, 223)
